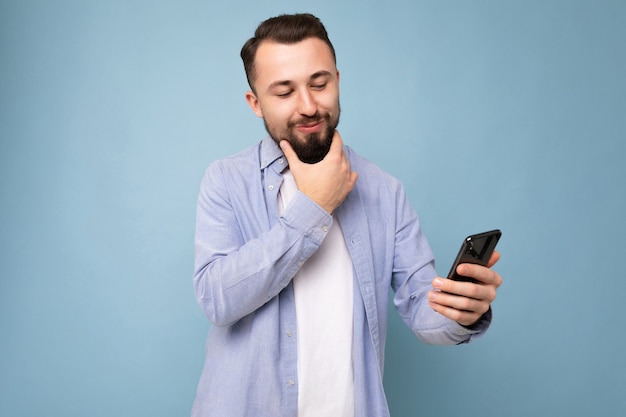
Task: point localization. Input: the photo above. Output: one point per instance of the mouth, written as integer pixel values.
(311, 127)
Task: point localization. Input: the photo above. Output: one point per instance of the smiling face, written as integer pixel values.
(296, 92)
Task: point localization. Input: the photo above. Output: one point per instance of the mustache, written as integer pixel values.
(309, 119)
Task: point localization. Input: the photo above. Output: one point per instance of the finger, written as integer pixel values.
(480, 291)
(353, 177)
(495, 257)
(450, 286)
(290, 154)
(336, 150)
(480, 273)
(464, 317)
(336, 146)
(457, 302)
(337, 141)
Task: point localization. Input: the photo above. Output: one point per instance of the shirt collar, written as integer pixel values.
(270, 152)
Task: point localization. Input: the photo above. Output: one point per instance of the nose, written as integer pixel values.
(307, 105)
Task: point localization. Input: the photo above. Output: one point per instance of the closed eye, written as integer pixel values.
(320, 80)
(284, 94)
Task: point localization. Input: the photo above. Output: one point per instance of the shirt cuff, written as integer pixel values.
(477, 329)
(304, 215)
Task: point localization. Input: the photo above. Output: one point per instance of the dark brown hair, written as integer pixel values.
(286, 29)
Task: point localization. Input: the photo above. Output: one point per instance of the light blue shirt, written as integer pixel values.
(246, 256)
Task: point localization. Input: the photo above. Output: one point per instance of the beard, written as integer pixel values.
(311, 148)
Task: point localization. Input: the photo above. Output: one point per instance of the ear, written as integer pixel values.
(338, 79)
(254, 104)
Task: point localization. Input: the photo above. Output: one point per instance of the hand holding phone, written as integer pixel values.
(476, 249)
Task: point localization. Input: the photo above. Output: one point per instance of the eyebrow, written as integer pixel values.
(286, 83)
(319, 74)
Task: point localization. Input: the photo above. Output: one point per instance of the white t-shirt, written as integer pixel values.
(323, 291)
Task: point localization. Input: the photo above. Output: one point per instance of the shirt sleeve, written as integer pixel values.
(238, 266)
(412, 279)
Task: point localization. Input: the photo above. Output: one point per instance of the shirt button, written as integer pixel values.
(281, 160)
(271, 187)
(292, 382)
(325, 228)
(300, 263)
(289, 334)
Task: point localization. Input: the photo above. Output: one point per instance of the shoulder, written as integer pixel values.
(225, 175)
(371, 174)
(242, 162)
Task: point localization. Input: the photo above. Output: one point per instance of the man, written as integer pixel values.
(298, 242)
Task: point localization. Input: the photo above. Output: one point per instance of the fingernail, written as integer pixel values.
(437, 283)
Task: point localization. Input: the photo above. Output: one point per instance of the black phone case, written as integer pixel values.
(476, 249)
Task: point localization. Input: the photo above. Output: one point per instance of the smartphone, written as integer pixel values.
(476, 249)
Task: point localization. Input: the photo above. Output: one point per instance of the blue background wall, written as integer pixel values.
(493, 113)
